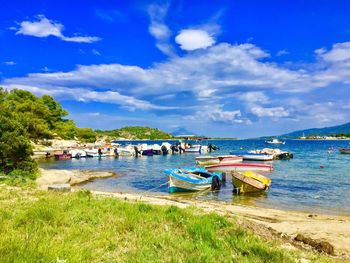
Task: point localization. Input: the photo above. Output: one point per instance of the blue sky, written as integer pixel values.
(217, 68)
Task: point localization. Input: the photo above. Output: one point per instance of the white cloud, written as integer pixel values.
(282, 53)
(86, 95)
(252, 97)
(274, 112)
(158, 29)
(192, 39)
(43, 27)
(9, 63)
(339, 52)
(96, 52)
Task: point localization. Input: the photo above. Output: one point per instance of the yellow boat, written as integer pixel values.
(248, 181)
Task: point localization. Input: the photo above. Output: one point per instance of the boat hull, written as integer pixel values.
(192, 179)
(177, 185)
(223, 167)
(203, 161)
(344, 150)
(249, 182)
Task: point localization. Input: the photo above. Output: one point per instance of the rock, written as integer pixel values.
(59, 187)
(71, 177)
(321, 246)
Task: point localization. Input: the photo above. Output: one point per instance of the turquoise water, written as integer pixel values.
(298, 184)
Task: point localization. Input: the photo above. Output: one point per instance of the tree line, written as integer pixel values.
(25, 117)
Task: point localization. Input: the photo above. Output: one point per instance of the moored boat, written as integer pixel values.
(63, 156)
(254, 156)
(197, 148)
(248, 181)
(208, 160)
(193, 179)
(275, 141)
(344, 150)
(76, 153)
(224, 167)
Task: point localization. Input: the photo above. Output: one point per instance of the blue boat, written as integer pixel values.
(193, 179)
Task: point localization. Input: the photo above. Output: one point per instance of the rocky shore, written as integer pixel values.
(52, 177)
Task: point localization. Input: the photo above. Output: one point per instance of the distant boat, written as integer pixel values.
(193, 179)
(275, 141)
(344, 150)
(197, 148)
(224, 167)
(76, 153)
(248, 181)
(63, 156)
(207, 160)
(254, 156)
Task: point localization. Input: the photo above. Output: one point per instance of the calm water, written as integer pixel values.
(298, 184)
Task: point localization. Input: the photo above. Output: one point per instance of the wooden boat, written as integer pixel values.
(344, 150)
(248, 181)
(275, 141)
(208, 160)
(63, 156)
(224, 167)
(193, 179)
(254, 156)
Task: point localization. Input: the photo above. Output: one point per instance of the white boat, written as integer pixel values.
(76, 153)
(275, 141)
(128, 150)
(94, 153)
(197, 148)
(254, 155)
(225, 167)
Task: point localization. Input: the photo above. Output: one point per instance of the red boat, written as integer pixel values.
(62, 156)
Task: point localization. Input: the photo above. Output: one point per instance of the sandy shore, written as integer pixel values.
(327, 233)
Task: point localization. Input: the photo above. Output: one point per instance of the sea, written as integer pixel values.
(316, 180)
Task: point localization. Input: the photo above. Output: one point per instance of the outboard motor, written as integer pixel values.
(164, 150)
(173, 149)
(137, 152)
(116, 154)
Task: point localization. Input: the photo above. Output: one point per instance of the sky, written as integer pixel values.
(238, 68)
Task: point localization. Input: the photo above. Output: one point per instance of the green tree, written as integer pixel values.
(15, 147)
(56, 112)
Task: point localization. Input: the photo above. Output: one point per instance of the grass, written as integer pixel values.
(76, 227)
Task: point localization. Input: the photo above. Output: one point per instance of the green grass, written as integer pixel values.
(43, 226)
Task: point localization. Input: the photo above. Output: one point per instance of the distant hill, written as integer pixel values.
(182, 131)
(136, 133)
(339, 129)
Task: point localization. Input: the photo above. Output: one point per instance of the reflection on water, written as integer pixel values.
(299, 184)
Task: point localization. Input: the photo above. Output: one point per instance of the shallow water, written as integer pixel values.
(298, 184)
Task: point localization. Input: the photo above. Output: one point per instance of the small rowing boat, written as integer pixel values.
(193, 179)
(208, 160)
(344, 150)
(254, 156)
(248, 182)
(224, 167)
